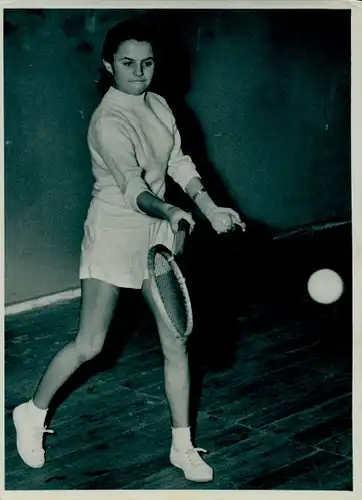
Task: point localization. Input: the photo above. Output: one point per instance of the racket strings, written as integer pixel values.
(171, 293)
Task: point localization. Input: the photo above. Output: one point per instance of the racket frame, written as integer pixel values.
(167, 254)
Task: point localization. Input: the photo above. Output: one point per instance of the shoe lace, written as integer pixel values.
(194, 457)
(37, 440)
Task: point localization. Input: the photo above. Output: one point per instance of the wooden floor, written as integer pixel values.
(275, 406)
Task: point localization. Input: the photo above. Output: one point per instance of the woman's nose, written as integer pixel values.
(138, 70)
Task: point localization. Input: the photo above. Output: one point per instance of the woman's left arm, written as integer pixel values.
(222, 219)
(183, 171)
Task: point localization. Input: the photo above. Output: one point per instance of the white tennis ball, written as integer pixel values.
(325, 286)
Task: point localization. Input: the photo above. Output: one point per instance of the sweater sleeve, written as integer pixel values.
(111, 142)
(181, 167)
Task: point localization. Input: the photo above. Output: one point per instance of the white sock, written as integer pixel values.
(181, 438)
(36, 413)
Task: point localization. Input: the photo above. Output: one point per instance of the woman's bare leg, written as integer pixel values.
(177, 387)
(176, 366)
(98, 303)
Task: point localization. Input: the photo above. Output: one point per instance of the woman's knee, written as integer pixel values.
(175, 353)
(88, 348)
(99, 300)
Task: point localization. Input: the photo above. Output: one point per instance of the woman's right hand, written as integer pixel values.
(175, 214)
(155, 207)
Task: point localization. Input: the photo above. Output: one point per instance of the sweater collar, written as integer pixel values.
(125, 100)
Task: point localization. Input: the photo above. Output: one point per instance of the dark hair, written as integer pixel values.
(133, 29)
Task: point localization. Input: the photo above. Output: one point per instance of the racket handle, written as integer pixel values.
(183, 225)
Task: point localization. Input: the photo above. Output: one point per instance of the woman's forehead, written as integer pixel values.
(135, 49)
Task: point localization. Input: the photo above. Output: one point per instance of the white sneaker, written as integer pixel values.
(29, 437)
(193, 466)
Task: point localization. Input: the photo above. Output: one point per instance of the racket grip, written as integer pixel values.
(183, 225)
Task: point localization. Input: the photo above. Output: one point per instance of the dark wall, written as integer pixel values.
(271, 90)
(261, 97)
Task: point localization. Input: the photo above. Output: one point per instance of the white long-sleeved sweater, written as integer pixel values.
(134, 142)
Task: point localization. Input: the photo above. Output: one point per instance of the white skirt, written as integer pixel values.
(115, 245)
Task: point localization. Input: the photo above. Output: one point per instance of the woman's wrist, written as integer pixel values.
(168, 210)
(205, 203)
(197, 193)
(200, 197)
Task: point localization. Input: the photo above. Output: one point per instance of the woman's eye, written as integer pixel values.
(149, 64)
(127, 63)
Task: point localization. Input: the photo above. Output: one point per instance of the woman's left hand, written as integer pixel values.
(224, 219)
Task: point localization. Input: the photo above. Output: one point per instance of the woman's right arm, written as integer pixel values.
(155, 207)
(116, 150)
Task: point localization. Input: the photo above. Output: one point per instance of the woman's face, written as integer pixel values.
(133, 67)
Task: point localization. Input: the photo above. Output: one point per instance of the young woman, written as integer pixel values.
(134, 142)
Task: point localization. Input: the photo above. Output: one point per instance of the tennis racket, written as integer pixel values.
(169, 290)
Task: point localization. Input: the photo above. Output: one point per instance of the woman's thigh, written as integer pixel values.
(98, 302)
